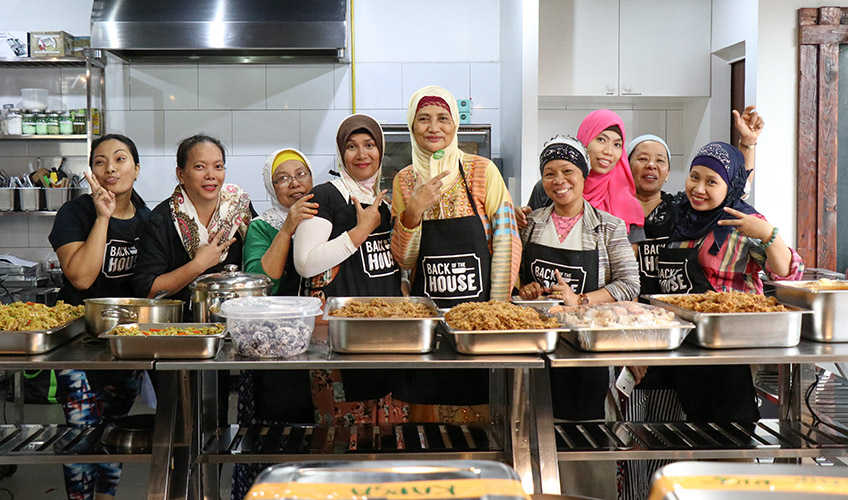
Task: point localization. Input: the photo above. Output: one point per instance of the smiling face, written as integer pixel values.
(649, 164)
(113, 166)
(298, 185)
(605, 151)
(705, 189)
(433, 128)
(204, 173)
(563, 183)
(361, 156)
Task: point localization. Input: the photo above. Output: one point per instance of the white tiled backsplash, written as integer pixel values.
(252, 109)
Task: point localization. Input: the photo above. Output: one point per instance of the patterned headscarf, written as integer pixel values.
(365, 191)
(613, 192)
(729, 163)
(231, 215)
(565, 148)
(276, 215)
(428, 165)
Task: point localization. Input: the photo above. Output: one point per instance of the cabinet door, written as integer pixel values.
(578, 47)
(665, 47)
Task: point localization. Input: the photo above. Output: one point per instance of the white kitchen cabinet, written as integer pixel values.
(624, 47)
(578, 47)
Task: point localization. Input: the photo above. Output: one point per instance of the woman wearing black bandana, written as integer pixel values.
(721, 243)
(581, 254)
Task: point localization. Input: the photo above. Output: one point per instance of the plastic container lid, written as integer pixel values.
(231, 279)
(271, 307)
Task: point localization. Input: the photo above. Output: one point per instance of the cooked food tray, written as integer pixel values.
(164, 346)
(503, 341)
(739, 330)
(624, 338)
(40, 341)
(540, 304)
(381, 335)
(830, 308)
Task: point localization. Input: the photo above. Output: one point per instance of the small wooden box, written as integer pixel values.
(50, 44)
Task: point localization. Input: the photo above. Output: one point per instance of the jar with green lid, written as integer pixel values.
(40, 124)
(66, 125)
(28, 125)
(53, 123)
(79, 121)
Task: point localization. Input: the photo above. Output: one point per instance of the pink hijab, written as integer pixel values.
(614, 191)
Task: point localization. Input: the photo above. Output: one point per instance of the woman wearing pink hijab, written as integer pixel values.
(609, 186)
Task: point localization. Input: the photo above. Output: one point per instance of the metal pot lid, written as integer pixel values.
(231, 279)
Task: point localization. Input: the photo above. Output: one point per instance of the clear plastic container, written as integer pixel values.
(14, 122)
(34, 99)
(271, 327)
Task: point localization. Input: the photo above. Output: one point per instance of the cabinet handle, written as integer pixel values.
(610, 89)
(628, 90)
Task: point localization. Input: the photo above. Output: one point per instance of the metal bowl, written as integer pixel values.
(130, 434)
(102, 315)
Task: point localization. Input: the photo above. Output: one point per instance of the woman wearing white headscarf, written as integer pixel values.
(267, 248)
(455, 229)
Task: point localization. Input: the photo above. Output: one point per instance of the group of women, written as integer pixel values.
(451, 228)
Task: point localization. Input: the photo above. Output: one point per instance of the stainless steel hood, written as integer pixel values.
(227, 31)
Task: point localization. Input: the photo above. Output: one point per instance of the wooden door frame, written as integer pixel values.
(820, 32)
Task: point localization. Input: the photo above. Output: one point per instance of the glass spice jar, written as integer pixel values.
(28, 125)
(79, 122)
(40, 124)
(53, 123)
(66, 125)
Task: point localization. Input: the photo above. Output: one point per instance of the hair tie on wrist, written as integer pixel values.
(771, 240)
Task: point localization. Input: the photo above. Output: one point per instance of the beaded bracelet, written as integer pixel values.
(771, 240)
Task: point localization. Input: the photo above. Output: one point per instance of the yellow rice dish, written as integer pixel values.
(29, 316)
(170, 331)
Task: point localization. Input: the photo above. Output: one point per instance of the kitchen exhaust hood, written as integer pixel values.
(221, 31)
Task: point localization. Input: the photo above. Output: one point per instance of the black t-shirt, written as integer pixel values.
(331, 206)
(538, 197)
(160, 251)
(73, 223)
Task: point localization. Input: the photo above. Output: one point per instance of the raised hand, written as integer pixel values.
(521, 216)
(104, 200)
(749, 225)
(209, 255)
(749, 124)
(531, 291)
(369, 218)
(425, 194)
(563, 291)
(301, 210)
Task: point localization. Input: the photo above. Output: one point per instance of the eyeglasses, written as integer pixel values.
(285, 180)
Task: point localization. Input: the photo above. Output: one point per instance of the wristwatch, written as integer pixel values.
(584, 299)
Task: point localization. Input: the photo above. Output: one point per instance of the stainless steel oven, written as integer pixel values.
(473, 139)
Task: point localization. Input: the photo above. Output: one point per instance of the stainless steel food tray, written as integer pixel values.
(381, 335)
(628, 338)
(738, 330)
(39, 341)
(164, 346)
(830, 308)
(540, 304)
(503, 341)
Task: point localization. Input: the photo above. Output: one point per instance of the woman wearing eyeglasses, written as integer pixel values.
(268, 246)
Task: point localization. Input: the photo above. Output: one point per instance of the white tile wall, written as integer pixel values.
(380, 86)
(164, 87)
(262, 132)
(455, 77)
(157, 178)
(231, 86)
(182, 124)
(301, 87)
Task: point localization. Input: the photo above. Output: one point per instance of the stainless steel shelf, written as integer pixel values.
(52, 62)
(685, 440)
(258, 444)
(41, 444)
(35, 212)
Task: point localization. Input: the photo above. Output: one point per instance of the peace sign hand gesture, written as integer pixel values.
(104, 200)
(367, 219)
(748, 225)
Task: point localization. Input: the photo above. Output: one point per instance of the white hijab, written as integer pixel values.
(424, 163)
(276, 215)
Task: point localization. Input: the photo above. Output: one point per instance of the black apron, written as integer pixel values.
(707, 393)
(648, 251)
(371, 271)
(576, 393)
(453, 267)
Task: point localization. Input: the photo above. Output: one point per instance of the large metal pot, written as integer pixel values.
(130, 434)
(209, 291)
(102, 315)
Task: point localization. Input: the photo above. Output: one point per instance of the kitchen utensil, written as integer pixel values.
(104, 314)
(830, 309)
(266, 327)
(736, 330)
(164, 346)
(209, 291)
(29, 198)
(129, 434)
(381, 335)
(55, 197)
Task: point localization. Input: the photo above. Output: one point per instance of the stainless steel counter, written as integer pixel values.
(80, 354)
(805, 352)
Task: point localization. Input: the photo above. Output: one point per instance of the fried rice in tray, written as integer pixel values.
(725, 302)
(29, 316)
(379, 308)
(497, 315)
